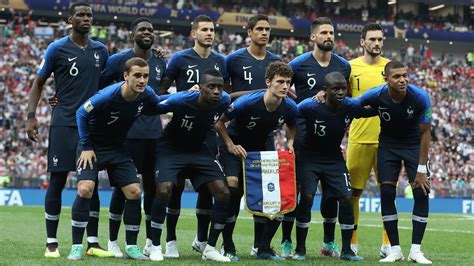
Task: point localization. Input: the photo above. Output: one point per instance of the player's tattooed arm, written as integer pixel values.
(421, 178)
(236, 150)
(33, 99)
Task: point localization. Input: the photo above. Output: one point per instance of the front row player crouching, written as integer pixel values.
(103, 122)
(181, 150)
(405, 120)
(320, 159)
(253, 117)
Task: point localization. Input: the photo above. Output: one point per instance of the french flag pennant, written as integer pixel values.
(269, 183)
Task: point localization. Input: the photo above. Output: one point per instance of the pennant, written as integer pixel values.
(269, 183)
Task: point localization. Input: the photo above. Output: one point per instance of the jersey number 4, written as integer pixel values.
(248, 76)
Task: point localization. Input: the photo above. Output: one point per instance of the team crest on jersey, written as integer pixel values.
(55, 161)
(410, 112)
(139, 109)
(79, 170)
(216, 117)
(97, 59)
(230, 108)
(347, 120)
(281, 120)
(158, 73)
(216, 67)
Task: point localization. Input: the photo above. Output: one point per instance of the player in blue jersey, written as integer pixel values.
(182, 152)
(405, 120)
(141, 138)
(320, 159)
(246, 68)
(254, 116)
(76, 62)
(103, 122)
(309, 71)
(186, 69)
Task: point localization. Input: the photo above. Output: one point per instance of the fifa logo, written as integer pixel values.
(410, 112)
(97, 59)
(55, 160)
(271, 187)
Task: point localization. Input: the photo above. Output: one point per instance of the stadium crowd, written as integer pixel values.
(447, 80)
(309, 10)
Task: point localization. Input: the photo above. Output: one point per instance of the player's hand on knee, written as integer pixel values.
(422, 181)
(87, 158)
(237, 150)
(320, 96)
(32, 128)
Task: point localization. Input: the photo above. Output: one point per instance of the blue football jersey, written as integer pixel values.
(308, 74)
(145, 127)
(186, 68)
(190, 125)
(399, 122)
(325, 129)
(76, 75)
(251, 122)
(105, 118)
(246, 72)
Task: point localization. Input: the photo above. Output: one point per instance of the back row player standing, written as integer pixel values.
(142, 137)
(76, 62)
(185, 68)
(246, 68)
(309, 70)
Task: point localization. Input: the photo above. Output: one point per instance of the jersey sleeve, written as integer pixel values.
(369, 97)
(236, 107)
(110, 73)
(224, 72)
(358, 111)
(85, 113)
(173, 67)
(47, 64)
(154, 106)
(304, 107)
(294, 64)
(425, 114)
(292, 113)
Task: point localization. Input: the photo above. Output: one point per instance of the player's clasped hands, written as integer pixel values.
(87, 158)
(421, 180)
(237, 150)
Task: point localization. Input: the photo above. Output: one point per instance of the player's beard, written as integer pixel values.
(373, 54)
(325, 46)
(143, 45)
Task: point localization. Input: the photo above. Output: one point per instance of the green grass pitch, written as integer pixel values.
(449, 239)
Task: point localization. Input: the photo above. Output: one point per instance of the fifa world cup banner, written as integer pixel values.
(269, 183)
